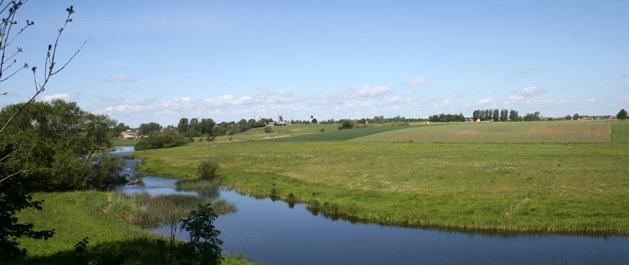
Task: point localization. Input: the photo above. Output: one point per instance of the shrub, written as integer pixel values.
(268, 130)
(322, 130)
(161, 140)
(207, 170)
(346, 124)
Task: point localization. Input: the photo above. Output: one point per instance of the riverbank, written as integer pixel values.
(574, 188)
(78, 215)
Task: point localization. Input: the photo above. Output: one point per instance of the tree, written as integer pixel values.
(182, 127)
(504, 115)
(496, 115)
(149, 128)
(513, 115)
(346, 124)
(576, 116)
(121, 127)
(14, 187)
(206, 126)
(193, 130)
(476, 115)
(622, 114)
(161, 140)
(203, 234)
(532, 116)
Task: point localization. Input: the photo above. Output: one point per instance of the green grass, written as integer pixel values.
(558, 131)
(620, 131)
(76, 215)
(498, 187)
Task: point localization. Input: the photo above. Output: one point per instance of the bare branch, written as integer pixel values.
(11, 175)
(70, 59)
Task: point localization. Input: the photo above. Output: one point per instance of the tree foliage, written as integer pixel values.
(447, 117)
(622, 114)
(346, 124)
(149, 128)
(161, 140)
(203, 235)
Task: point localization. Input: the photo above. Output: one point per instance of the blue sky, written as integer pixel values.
(161, 60)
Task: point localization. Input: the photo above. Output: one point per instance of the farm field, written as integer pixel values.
(77, 215)
(562, 187)
(558, 131)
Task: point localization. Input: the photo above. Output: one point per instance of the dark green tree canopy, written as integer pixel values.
(622, 114)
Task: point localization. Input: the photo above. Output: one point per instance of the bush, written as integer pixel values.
(161, 140)
(268, 130)
(346, 124)
(321, 130)
(207, 170)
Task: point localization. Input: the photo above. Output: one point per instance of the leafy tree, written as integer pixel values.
(203, 235)
(622, 114)
(161, 140)
(504, 115)
(346, 124)
(476, 115)
(149, 128)
(496, 115)
(182, 127)
(121, 127)
(14, 178)
(532, 116)
(513, 115)
(576, 116)
(206, 126)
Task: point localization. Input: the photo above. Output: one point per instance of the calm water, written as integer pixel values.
(273, 233)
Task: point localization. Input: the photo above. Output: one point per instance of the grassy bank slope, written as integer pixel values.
(76, 215)
(557, 131)
(575, 188)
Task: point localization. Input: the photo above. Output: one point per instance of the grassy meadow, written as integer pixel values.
(99, 216)
(539, 183)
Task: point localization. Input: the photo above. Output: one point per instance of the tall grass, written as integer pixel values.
(144, 210)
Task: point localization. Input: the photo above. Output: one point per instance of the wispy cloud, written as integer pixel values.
(485, 102)
(370, 91)
(529, 97)
(58, 96)
(417, 82)
(119, 78)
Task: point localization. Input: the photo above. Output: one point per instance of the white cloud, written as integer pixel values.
(528, 97)
(229, 100)
(119, 78)
(530, 91)
(369, 91)
(58, 96)
(417, 82)
(590, 100)
(484, 102)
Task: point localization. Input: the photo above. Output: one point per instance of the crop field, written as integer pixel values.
(562, 187)
(559, 131)
(340, 135)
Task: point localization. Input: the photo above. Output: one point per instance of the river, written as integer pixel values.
(272, 232)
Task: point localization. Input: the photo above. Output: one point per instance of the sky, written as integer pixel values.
(162, 60)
